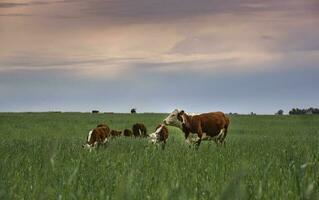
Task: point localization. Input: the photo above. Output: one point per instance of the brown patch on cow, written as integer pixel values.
(210, 123)
(127, 133)
(116, 133)
(139, 130)
(162, 136)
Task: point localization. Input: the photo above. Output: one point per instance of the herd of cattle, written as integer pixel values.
(207, 126)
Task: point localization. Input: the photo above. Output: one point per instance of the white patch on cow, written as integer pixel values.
(153, 138)
(105, 140)
(184, 120)
(88, 147)
(205, 136)
(159, 129)
(221, 133)
(95, 144)
(90, 135)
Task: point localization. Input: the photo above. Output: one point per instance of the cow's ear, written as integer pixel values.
(181, 112)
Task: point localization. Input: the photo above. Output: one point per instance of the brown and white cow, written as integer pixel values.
(210, 126)
(97, 136)
(160, 135)
(139, 130)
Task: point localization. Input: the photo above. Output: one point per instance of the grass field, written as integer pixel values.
(267, 157)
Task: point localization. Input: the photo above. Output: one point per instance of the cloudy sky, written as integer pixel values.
(156, 55)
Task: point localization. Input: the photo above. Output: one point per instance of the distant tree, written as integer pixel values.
(280, 112)
(298, 111)
(133, 110)
(315, 111)
(95, 111)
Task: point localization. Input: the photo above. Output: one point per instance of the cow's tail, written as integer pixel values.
(222, 140)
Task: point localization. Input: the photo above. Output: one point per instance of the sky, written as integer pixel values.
(157, 55)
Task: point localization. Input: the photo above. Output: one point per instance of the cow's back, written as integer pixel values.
(212, 123)
(101, 133)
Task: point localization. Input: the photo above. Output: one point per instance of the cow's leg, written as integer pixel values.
(223, 137)
(163, 145)
(215, 139)
(105, 140)
(220, 137)
(187, 139)
(140, 132)
(200, 135)
(94, 146)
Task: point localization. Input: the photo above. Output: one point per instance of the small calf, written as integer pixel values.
(115, 133)
(160, 135)
(97, 136)
(127, 133)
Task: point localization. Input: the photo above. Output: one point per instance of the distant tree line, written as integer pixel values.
(298, 111)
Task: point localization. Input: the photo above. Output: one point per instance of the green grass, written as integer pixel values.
(267, 157)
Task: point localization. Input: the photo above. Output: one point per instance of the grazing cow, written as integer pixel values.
(160, 135)
(127, 133)
(97, 136)
(139, 130)
(115, 133)
(211, 126)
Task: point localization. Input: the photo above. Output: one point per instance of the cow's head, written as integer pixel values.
(175, 119)
(155, 137)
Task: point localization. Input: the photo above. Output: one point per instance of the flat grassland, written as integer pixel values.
(266, 157)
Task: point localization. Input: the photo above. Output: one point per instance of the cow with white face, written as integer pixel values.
(160, 135)
(97, 136)
(174, 119)
(211, 126)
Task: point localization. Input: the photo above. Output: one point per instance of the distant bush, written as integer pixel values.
(95, 111)
(133, 110)
(280, 112)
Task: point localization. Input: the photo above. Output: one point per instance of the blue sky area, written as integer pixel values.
(235, 56)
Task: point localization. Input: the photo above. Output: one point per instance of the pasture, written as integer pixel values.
(267, 157)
